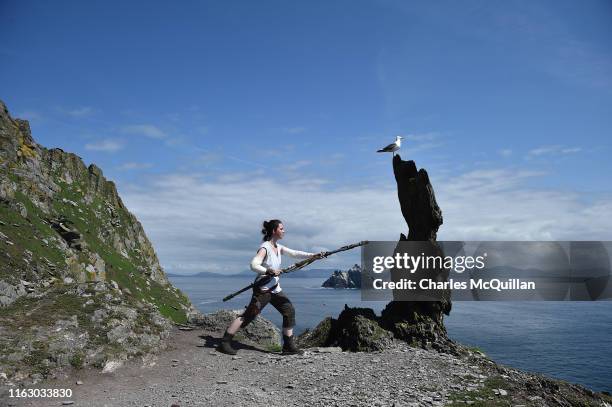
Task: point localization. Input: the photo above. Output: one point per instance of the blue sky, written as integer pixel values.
(212, 116)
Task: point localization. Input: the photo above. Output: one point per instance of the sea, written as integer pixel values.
(566, 340)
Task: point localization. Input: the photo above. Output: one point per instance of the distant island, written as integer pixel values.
(350, 278)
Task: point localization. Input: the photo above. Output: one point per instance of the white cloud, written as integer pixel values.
(421, 141)
(106, 145)
(552, 150)
(134, 166)
(300, 164)
(208, 158)
(199, 223)
(497, 205)
(79, 111)
(506, 152)
(147, 130)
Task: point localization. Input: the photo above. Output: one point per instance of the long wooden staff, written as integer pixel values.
(299, 265)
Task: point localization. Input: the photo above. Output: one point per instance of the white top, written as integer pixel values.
(272, 259)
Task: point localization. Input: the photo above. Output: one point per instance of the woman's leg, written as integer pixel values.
(285, 307)
(234, 326)
(258, 301)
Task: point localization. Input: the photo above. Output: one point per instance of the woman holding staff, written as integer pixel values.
(267, 265)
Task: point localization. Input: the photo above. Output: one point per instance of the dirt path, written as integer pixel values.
(193, 373)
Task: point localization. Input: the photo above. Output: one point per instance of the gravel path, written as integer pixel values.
(192, 373)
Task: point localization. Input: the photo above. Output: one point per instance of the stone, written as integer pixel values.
(356, 329)
(260, 330)
(21, 209)
(350, 278)
(111, 366)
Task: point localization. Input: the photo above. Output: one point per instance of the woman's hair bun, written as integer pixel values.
(269, 226)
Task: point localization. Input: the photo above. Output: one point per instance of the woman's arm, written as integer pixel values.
(295, 253)
(257, 260)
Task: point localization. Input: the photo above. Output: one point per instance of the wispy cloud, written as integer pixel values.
(422, 141)
(134, 166)
(582, 62)
(297, 165)
(147, 130)
(552, 150)
(83, 111)
(211, 224)
(294, 130)
(208, 158)
(106, 145)
(506, 152)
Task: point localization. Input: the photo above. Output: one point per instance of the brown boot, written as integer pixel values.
(226, 344)
(289, 347)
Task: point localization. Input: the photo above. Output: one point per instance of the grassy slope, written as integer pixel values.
(29, 233)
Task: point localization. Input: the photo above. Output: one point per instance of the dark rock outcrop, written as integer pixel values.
(420, 323)
(350, 278)
(72, 236)
(417, 201)
(356, 329)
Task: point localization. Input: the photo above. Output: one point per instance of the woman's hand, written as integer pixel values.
(321, 255)
(272, 272)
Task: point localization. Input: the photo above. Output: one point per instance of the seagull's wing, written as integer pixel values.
(388, 149)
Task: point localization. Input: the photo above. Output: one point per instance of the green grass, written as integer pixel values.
(483, 393)
(77, 360)
(274, 347)
(118, 268)
(92, 220)
(37, 358)
(476, 349)
(27, 235)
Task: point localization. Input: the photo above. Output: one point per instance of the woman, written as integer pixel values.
(266, 264)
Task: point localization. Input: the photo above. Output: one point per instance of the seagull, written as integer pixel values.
(393, 147)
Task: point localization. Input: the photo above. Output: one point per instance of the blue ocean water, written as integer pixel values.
(567, 340)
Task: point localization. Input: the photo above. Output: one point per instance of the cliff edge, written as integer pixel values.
(80, 283)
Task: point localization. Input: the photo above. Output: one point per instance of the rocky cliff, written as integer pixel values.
(420, 323)
(80, 282)
(350, 278)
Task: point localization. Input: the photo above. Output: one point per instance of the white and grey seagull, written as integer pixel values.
(393, 147)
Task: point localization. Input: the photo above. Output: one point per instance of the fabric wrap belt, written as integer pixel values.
(262, 281)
